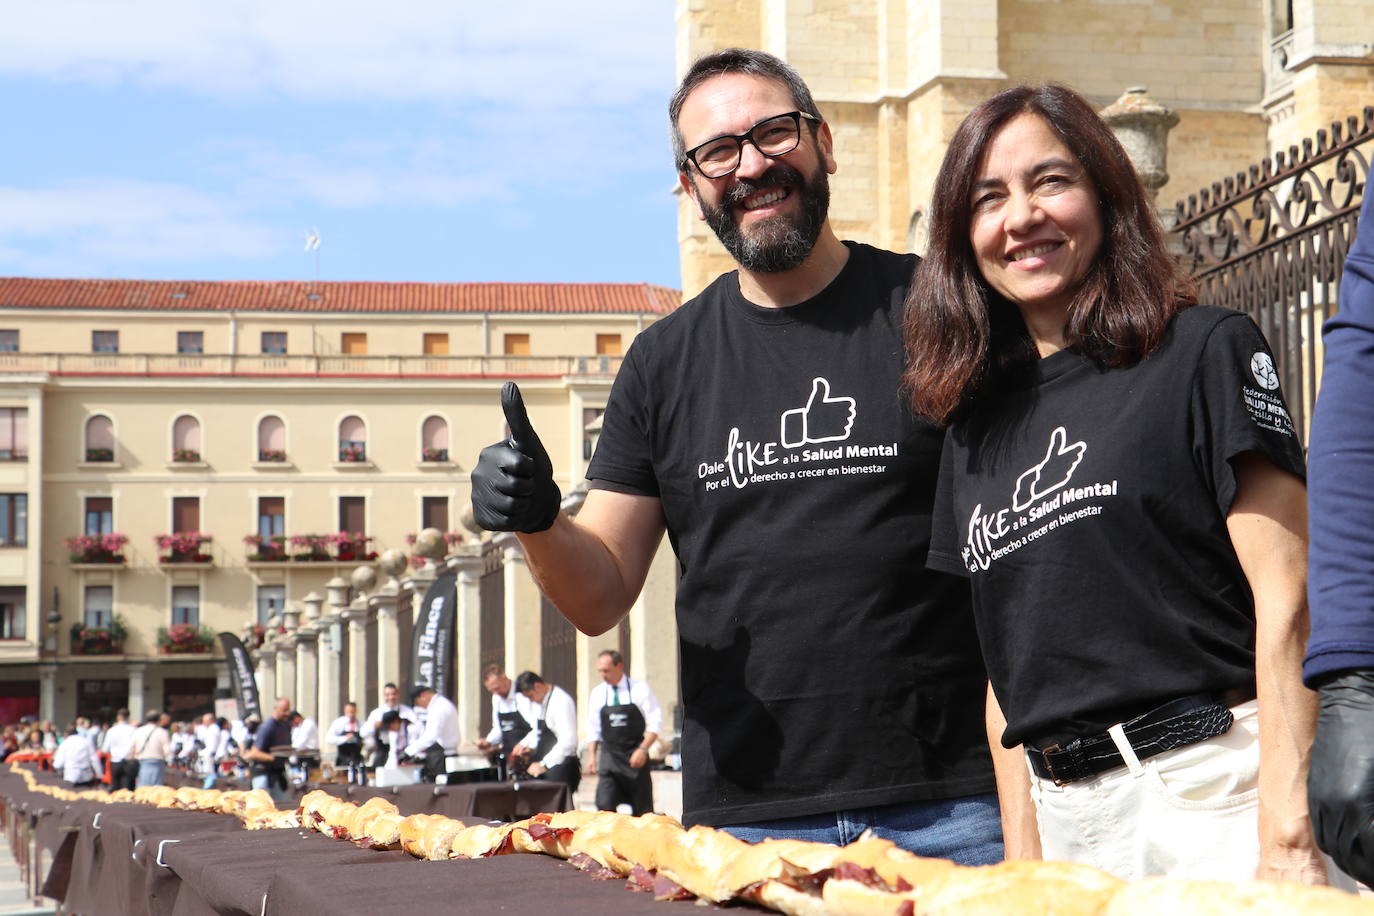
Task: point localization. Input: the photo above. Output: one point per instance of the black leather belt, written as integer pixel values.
(1176, 724)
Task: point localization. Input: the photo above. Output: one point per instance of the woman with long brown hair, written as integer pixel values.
(1124, 488)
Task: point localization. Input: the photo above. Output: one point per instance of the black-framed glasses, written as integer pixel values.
(775, 136)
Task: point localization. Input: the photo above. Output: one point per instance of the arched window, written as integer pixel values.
(186, 439)
(271, 439)
(352, 439)
(434, 439)
(99, 439)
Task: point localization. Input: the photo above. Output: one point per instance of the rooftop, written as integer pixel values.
(293, 296)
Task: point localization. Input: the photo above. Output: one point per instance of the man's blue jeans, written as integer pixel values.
(967, 829)
(150, 772)
(264, 781)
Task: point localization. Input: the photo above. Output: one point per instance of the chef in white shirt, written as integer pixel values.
(345, 733)
(551, 748)
(305, 740)
(441, 735)
(622, 724)
(512, 716)
(119, 742)
(391, 699)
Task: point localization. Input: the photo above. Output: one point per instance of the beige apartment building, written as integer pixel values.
(894, 78)
(219, 436)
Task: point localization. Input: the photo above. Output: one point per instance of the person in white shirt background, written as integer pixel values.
(118, 743)
(76, 759)
(512, 716)
(622, 725)
(440, 737)
(207, 741)
(391, 699)
(346, 734)
(550, 749)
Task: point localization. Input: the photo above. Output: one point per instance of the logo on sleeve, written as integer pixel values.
(1263, 368)
(1042, 501)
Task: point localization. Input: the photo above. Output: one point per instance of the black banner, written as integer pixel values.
(431, 655)
(241, 676)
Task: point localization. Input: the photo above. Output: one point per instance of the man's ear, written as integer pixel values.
(689, 185)
(826, 143)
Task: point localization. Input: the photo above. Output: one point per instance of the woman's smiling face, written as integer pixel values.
(1036, 225)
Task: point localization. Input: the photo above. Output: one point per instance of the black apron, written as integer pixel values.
(350, 751)
(569, 771)
(513, 728)
(622, 730)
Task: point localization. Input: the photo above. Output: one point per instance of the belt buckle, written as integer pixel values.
(1045, 756)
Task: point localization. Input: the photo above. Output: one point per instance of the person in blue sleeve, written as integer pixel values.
(1340, 653)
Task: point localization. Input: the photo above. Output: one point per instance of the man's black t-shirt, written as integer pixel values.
(1089, 509)
(824, 667)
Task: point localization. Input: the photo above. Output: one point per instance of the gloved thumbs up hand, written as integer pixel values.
(512, 484)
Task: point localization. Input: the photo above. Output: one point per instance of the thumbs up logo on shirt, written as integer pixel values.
(1053, 471)
(823, 419)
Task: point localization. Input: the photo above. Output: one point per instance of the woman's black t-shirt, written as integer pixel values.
(1089, 507)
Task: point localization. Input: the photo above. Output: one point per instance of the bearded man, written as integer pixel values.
(830, 682)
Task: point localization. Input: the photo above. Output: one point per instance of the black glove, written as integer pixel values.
(512, 484)
(403, 759)
(1340, 784)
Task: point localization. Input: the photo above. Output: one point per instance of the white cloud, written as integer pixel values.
(536, 52)
(113, 222)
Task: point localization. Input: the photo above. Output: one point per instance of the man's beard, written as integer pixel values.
(781, 242)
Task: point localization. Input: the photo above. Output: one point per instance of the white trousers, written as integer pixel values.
(1192, 812)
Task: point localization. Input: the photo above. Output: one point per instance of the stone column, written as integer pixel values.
(135, 670)
(267, 675)
(286, 669)
(467, 643)
(385, 606)
(47, 692)
(358, 649)
(522, 617)
(307, 672)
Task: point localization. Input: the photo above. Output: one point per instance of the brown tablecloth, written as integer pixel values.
(131, 860)
(491, 801)
(511, 884)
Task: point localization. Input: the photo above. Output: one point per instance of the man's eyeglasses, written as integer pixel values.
(775, 136)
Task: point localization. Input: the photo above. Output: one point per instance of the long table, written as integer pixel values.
(113, 858)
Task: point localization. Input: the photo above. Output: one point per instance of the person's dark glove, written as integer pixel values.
(512, 484)
(402, 759)
(1340, 783)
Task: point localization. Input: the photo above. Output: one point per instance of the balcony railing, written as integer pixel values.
(308, 366)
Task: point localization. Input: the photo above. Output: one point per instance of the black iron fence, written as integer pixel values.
(1272, 242)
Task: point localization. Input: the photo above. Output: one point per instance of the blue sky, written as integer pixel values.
(426, 140)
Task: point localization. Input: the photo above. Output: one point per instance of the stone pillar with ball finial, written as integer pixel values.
(357, 614)
(385, 604)
(308, 661)
(1142, 126)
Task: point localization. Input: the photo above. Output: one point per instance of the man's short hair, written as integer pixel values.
(615, 657)
(122, 714)
(492, 670)
(736, 60)
(526, 681)
(419, 689)
(295, 714)
(391, 685)
(152, 717)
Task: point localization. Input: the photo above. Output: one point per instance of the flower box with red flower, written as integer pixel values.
(311, 548)
(97, 455)
(352, 547)
(271, 455)
(433, 454)
(97, 548)
(183, 547)
(185, 638)
(99, 640)
(353, 452)
(185, 455)
(266, 548)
